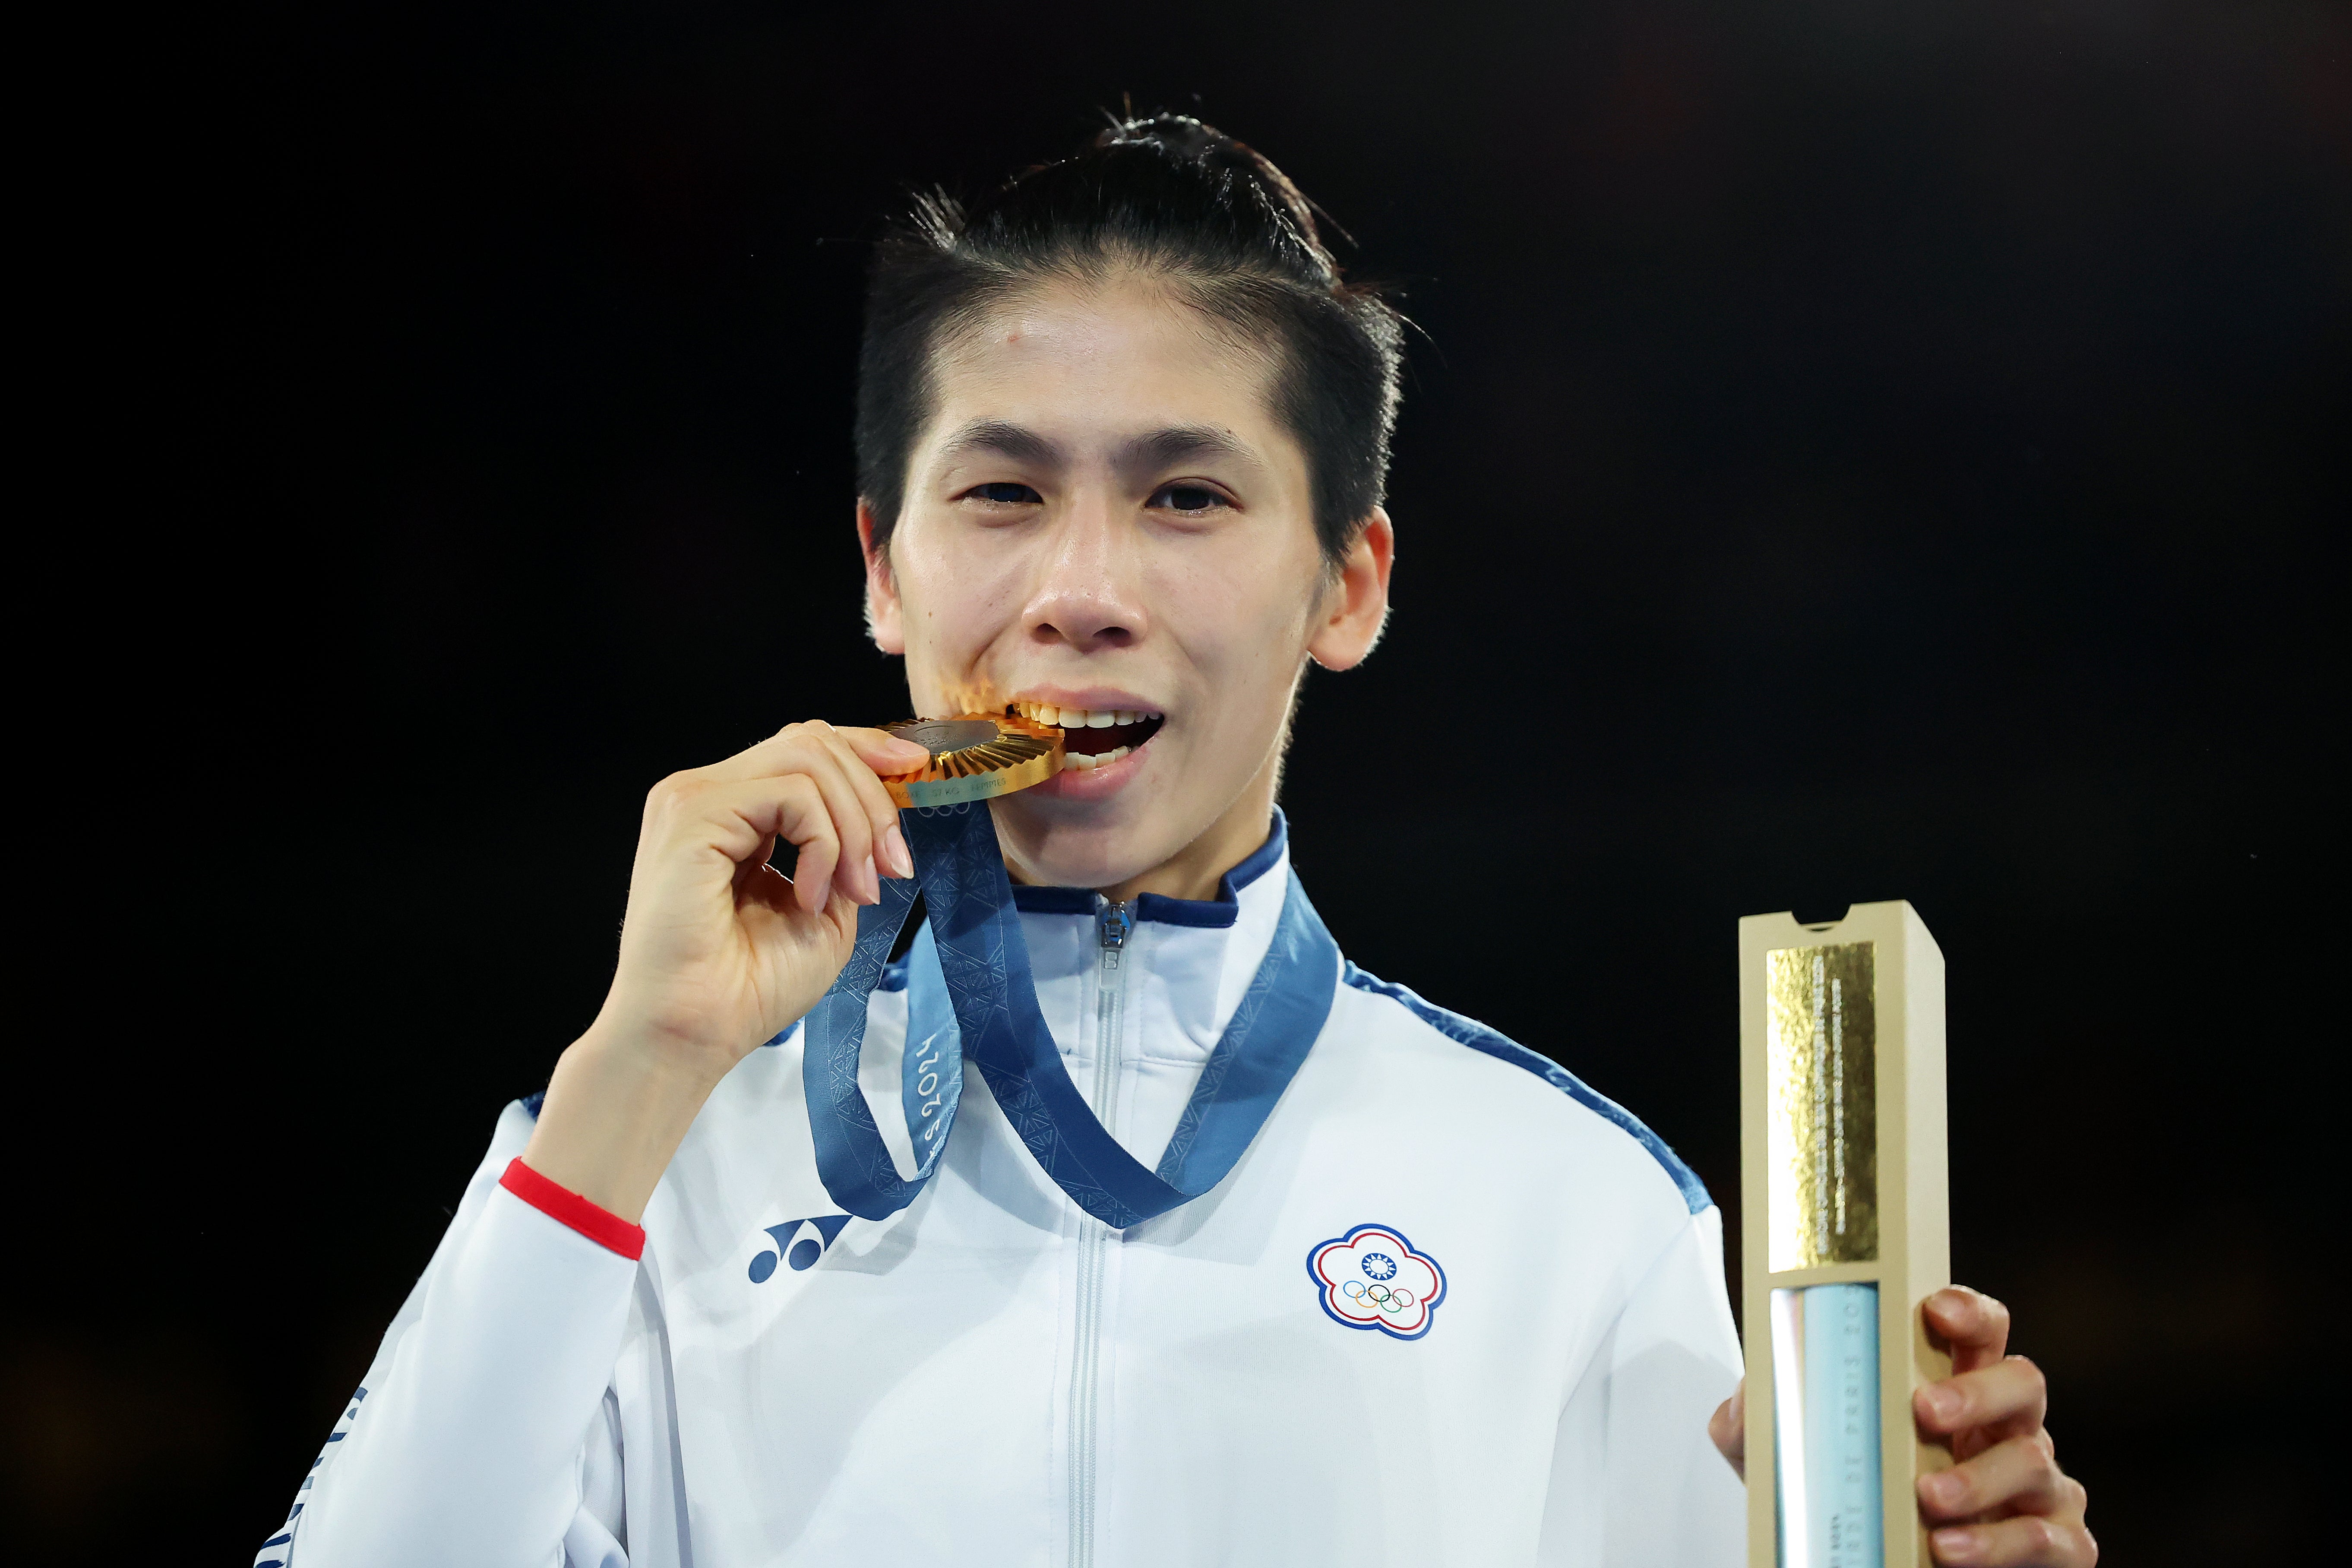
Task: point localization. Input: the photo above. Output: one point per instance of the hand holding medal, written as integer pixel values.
(970, 995)
(718, 951)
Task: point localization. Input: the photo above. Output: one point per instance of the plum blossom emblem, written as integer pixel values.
(1373, 1277)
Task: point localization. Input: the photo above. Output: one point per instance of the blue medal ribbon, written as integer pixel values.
(970, 992)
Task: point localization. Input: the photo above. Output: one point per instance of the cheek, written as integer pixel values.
(1243, 623)
(947, 594)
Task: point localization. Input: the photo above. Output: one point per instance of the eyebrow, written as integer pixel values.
(1158, 450)
(1005, 439)
(1180, 445)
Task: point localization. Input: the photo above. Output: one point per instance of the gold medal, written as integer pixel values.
(974, 756)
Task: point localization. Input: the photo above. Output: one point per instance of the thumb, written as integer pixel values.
(1728, 1428)
(884, 752)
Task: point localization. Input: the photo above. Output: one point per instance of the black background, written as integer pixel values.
(1855, 451)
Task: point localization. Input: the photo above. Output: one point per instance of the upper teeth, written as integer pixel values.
(1082, 718)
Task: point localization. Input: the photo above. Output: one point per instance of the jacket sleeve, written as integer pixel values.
(484, 1433)
(1635, 1479)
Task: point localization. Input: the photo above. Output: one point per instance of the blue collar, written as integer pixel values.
(1214, 913)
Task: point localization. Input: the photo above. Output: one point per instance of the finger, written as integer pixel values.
(788, 748)
(756, 862)
(740, 820)
(1974, 1324)
(2018, 1476)
(883, 752)
(2011, 1394)
(771, 910)
(830, 767)
(1728, 1429)
(2026, 1542)
(856, 754)
(739, 817)
(890, 852)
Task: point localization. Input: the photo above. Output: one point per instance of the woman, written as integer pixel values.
(1252, 1257)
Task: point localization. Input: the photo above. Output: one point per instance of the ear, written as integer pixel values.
(1355, 607)
(883, 622)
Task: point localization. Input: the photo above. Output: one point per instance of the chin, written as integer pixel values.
(1064, 838)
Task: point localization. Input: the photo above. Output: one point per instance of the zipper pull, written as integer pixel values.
(1113, 925)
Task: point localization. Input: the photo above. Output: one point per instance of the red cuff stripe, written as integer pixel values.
(599, 1226)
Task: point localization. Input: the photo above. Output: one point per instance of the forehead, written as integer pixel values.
(1109, 356)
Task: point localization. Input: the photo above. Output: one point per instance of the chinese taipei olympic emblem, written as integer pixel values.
(1373, 1278)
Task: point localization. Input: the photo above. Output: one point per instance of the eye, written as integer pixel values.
(1188, 498)
(1003, 492)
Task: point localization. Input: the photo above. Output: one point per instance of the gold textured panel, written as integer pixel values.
(1821, 1120)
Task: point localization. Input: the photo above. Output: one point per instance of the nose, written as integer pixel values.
(1087, 596)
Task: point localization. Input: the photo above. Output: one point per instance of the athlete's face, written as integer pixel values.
(1104, 514)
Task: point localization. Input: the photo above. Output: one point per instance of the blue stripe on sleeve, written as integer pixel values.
(1478, 1037)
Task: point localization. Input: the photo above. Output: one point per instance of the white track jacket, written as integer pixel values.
(1450, 1308)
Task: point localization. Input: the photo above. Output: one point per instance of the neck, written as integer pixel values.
(1193, 871)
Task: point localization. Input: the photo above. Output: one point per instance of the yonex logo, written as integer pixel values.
(798, 1254)
(1373, 1278)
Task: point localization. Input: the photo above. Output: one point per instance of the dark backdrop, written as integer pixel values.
(1851, 452)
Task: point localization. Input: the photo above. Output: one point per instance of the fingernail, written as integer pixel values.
(1955, 1545)
(1943, 1488)
(1943, 1404)
(873, 880)
(893, 847)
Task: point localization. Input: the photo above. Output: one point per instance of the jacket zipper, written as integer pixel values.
(1113, 925)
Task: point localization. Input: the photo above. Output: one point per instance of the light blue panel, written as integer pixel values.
(1825, 1377)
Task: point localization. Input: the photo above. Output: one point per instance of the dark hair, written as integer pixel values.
(1222, 224)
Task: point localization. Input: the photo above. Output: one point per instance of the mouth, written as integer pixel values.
(1093, 737)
